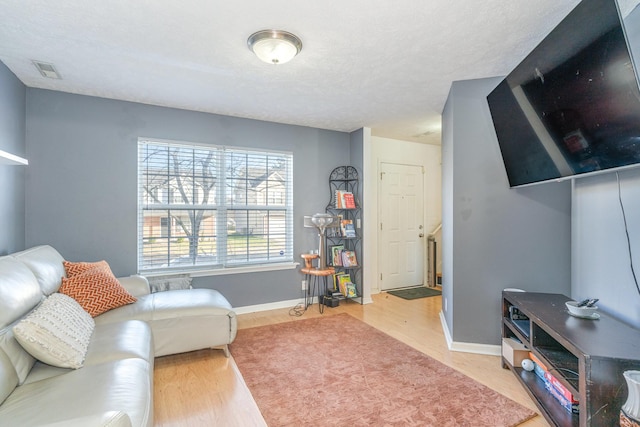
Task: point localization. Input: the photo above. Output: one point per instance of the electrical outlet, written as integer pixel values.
(304, 285)
(445, 304)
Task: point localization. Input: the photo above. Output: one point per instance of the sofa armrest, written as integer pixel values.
(107, 419)
(135, 284)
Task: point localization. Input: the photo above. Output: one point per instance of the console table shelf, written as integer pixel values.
(587, 356)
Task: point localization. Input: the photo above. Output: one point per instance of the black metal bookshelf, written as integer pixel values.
(345, 178)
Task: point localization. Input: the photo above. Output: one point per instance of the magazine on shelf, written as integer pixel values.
(344, 200)
(336, 255)
(338, 201)
(349, 259)
(349, 230)
(341, 280)
(352, 292)
(349, 200)
(343, 226)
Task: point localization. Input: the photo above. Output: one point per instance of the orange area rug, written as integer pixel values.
(339, 371)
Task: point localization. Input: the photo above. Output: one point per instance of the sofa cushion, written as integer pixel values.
(46, 264)
(124, 385)
(121, 340)
(19, 294)
(135, 284)
(8, 376)
(75, 268)
(58, 332)
(109, 342)
(105, 419)
(181, 320)
(97, 290)
(19, 291)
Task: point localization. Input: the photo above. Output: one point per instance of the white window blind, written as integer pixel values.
(204, 207)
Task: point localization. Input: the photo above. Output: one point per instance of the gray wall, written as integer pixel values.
(448, 273)
(81, 188)
(601, 262)
(12, 178)
(494, 237)
(357, 161)
(600, 253)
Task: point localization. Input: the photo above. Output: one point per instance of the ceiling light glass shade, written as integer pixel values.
(274, 46)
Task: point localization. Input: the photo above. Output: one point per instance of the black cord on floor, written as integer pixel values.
(626, 230)
(299, 309)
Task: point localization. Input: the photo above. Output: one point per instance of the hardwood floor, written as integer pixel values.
(204, 388)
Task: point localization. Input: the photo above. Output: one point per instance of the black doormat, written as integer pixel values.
(415, 293)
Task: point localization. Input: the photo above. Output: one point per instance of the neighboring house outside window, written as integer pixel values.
(212, 207)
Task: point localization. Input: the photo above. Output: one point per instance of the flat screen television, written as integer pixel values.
(572, 106)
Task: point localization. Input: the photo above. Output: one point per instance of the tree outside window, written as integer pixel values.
(213, 207)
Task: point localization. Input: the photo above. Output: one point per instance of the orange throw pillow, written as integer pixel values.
(75, 268)
(97, 290)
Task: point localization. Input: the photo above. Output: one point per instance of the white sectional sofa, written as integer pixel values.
(114, 387)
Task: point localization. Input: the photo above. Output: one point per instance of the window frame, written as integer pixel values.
(221, 205)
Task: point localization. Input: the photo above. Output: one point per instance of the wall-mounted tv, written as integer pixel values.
(572, 106)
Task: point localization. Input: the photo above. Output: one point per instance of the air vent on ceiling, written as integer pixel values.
(47, 70)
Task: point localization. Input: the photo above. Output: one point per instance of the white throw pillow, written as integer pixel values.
(57, 332)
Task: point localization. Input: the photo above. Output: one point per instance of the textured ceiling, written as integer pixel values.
(383, 64)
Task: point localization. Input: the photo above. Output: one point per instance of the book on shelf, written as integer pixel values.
(349, 229)
(573, 407)
(349, 200)
(340, 282)
(352, 291)
(538, 362)
(336, 282)
(344, 200)
(343, 226)
(539, 371)
(336, 255)
(566, 399)
(349, 259)
(557, 385)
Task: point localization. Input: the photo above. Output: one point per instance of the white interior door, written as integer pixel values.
(401, 230)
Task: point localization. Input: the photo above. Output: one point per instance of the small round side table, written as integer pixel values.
(314, 276)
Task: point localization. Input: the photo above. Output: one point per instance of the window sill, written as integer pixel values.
(224, 271)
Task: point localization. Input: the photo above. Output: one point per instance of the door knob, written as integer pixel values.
(421, 235)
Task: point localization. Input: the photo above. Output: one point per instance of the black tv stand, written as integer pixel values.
(587, 356)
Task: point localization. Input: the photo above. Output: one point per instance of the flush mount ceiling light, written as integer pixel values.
(274, 46)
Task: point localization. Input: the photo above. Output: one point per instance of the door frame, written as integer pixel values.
(379, 149)
(380, 201)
